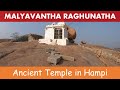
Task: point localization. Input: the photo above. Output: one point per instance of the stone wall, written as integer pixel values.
(32, 37)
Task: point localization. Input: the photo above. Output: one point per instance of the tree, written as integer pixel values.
(15, 35)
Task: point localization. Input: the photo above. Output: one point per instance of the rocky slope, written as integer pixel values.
(34, 54)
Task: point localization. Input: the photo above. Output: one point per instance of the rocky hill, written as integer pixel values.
(117, 49)
(5, 40)
(34, 54)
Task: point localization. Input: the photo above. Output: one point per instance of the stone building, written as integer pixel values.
(32, 37)
(56, 34)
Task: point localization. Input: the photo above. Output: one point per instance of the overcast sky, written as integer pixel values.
(103, 33)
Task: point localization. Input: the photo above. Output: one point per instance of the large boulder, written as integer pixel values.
(71, 33)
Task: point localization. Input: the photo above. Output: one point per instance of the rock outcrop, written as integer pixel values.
(102, 52)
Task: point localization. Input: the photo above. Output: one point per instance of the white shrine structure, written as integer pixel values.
(56, 34)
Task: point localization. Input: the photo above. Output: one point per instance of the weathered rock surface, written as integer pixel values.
(34, 54)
